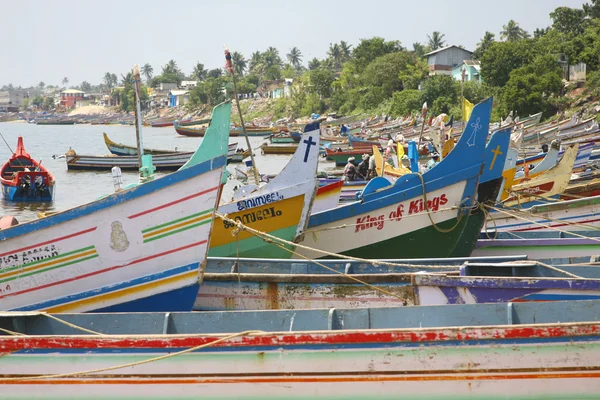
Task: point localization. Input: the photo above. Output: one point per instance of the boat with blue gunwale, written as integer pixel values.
(521, 350)
(139, 249)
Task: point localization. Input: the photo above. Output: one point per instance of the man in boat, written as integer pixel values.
(389, 149)
(544, 148)
(343, 130)
(350, 170)
(435, 159)
(371, 172)
(363, 167)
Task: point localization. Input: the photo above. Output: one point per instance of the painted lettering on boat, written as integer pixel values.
(26, 257)
(251, 217)
(259, 201)
(415, 206)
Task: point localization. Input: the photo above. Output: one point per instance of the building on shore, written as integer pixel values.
(12, 100)
(178, 97)
(442, 61)
(70, 97)
(472, 70)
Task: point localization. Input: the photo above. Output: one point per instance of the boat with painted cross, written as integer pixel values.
(139, 249)
(550, 350)
(280, 207)
(408, 216)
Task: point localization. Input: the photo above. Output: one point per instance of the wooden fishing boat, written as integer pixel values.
(239, 155)
(542, 246)
(252, 131)
(281, 207)
(547, 185)
(165, 123)
(341, 157)
(185, 131)
(282, 139)
(162, 162)
(524, 350)
(138, 249)
(278, 149)
(192, 123)
(236, 131)
(120, 149)
(510, 282)
(24, 179)
(264, 284)
(55, 121)
(571, 215)
(408, 216)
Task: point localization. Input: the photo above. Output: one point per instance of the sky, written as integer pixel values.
(47, 40)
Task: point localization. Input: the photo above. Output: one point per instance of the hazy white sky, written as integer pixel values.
(46, 40)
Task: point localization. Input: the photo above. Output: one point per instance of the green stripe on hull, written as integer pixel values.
(423, 243)
(255, 247)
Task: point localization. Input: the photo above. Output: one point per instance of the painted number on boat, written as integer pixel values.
(251, 217)
(259, 201)
(415, 206)
(29, 256)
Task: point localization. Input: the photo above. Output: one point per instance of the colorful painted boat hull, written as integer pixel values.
(139, 248)
(392, 221)
(521, 351)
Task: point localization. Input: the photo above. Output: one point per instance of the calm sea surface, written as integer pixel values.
(74, 188)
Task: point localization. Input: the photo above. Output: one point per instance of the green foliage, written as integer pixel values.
(406, 102)
(384, 73)
(512, 32)
(592, 84)
(503, 57)
(436, 41)
(568, 20)
(273, 73)
(374, 96)
(86, 87)
(37, 101)
(477, 92)
(314, 64)
(49, 103)
(321, 80)
(592, 9)
(210, 92)
(413, 74)
(485, 43)
(369, 49)
(439, 92)
(530, 88)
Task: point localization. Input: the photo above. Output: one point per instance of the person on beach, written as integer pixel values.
(350, 170)
(363, 167)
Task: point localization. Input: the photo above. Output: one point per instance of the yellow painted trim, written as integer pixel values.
(179, 225)
(119, 293)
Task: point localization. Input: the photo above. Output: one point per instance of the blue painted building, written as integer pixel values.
(472, 71)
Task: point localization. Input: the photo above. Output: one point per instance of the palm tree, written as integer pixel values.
(108, 80)
(199, 72)
(41, 85)
(345, 50)
(65, 81)
(271, 57)
(294, 57)
(484, 44)
(436, 40)
(512, 32)
(170, 68)
(125, 79)
(113, 79)
(239, 63)
(419, 49)
(255, 59)
(147, 71)
(314, 64)
(335, 54)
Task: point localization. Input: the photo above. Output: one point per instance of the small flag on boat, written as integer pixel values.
(424, 110)
(467, 108)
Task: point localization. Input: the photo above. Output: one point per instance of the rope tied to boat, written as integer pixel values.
(135, 363)
(274, 240)
(437, 228)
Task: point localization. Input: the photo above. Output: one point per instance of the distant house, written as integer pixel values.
(273, 89)
(167, 86)
(11, 100)
(472, 71)
(442, 61)
(188, 84)
(69, 97)
(178, 97)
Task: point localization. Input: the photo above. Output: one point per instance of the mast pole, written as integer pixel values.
(229, 67)
(138, 114)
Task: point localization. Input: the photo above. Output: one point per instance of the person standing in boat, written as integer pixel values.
(363, 167)
(350, 170)
(435, 160)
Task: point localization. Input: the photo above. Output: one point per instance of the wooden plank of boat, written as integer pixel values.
(281, 207)
(371, 228)
(419, 352)
(136, 249)
(23, 179)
